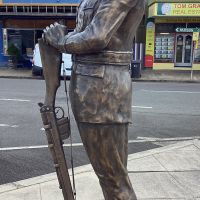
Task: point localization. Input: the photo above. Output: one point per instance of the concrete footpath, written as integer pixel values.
(171, 172)
(146, 75)
(6, 72)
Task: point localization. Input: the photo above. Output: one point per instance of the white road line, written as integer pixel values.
(19, 100)
(7, 125)
(36, 147)
(14, 126)
(152, 139)
(142, 107)
(171, 91)
(138, 140)
(4, 125)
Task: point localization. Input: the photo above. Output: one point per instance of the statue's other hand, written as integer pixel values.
(54, 33)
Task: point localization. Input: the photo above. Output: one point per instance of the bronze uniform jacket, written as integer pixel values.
(101, 44)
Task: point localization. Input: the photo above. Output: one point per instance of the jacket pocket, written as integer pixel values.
(90, 70)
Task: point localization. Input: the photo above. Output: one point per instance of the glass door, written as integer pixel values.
(183, 50)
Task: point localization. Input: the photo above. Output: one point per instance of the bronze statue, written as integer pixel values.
(100, 85)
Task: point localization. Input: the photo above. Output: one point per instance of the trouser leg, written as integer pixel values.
(106, 146)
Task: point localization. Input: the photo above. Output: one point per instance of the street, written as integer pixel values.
(163, 113)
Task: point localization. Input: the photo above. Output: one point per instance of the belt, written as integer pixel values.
(104, 57)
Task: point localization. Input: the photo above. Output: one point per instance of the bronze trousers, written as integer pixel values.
(106, 146)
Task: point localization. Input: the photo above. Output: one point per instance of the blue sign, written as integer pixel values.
(41, 1)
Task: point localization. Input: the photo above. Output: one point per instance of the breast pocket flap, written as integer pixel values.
(90, 70)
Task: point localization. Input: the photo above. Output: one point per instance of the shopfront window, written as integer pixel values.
(193, 25)
(175, 47)
(184, 47)
(24, 40)
(164, 47)
(188, 49)
(164, 28)
(179, 48)
(164, 43)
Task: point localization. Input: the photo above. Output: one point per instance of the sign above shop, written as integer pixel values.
(174, 9)
(187, 30)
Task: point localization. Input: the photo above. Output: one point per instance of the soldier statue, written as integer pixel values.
(100, 85)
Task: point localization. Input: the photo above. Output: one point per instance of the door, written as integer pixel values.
(183, 50)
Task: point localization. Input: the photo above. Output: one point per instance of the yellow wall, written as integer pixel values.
(196, 67)
(170, 66)
(163, 66)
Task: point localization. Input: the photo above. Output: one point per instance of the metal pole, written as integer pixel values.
(191, 75)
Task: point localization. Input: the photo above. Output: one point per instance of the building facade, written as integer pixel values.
(172, 35)
(22, 22)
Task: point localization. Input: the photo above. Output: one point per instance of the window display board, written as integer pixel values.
(164, 48)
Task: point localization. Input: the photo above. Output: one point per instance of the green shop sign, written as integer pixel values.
(188, 30)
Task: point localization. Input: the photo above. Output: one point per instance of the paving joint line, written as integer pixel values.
(169, 172)
(21, 186)
(40, 191)
(162, 171)
(184, 187)
(158, 150)
(196, 143)
(172, 177)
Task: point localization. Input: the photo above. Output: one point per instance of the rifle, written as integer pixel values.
(57, 128)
